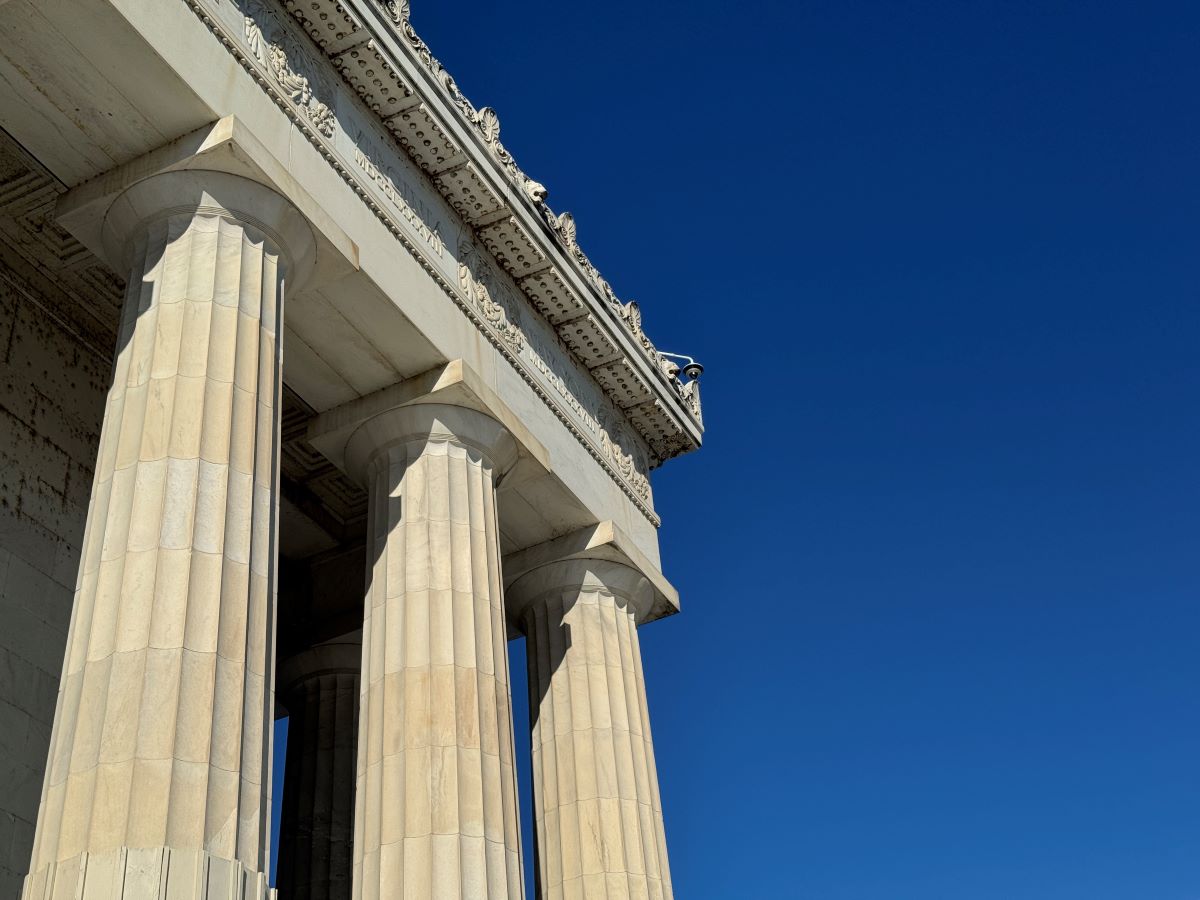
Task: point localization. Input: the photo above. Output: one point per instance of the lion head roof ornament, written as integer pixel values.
(536, 191)
(487, 124)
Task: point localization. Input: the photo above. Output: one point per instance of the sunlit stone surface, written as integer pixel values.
(435, 767)
(598, 812)
(371, 413)
(160, 753)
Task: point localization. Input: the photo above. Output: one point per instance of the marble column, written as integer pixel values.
(599, 823)
(436, 813)
(319, 690)
(158, 780)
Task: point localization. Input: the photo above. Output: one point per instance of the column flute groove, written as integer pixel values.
(158, 771)
(598, 812)
(319, 687)
(437, 811)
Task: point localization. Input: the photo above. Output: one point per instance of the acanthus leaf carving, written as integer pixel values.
(689, 392)
(269, 52)
(481, 286)
(615, 440)
(277, 51)
(482, 290)
(487, 123)
(691, 396)
(632, 314)
(485, 120)
(399, 10)
(565, 225)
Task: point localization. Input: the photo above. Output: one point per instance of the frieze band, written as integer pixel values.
(402, 197)
(496, 303)
(487, 123)
(274, 48)
(266, 47)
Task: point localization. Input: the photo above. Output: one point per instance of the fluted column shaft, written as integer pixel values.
(317, 825)
(598, 813)
(160, 753)
(436, 812)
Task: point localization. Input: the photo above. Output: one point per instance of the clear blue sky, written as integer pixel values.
(938, 557)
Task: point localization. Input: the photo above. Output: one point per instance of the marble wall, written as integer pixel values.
(52, 388)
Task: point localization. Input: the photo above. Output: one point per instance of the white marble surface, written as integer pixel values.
(163, 728)
(437, 812)
(598, 812)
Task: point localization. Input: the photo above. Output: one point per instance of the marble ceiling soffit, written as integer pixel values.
(594, 399)
(372, 44)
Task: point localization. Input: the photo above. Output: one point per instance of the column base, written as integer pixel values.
(155, 873)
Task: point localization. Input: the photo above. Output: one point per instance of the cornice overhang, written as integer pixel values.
(379, 55)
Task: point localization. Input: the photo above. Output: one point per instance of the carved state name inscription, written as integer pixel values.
(399, 193)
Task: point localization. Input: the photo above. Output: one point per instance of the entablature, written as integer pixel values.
(380, 56)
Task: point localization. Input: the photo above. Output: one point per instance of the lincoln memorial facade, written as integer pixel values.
(309, 405)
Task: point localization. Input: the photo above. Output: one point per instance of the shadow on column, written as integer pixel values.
(319, 689)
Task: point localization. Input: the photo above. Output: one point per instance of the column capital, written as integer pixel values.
(453, 385)
(202, 192)
(596, 544)
(103, 213)
(424, 424)
(338, 657)
(581, 575)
